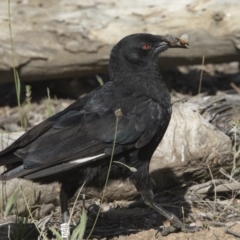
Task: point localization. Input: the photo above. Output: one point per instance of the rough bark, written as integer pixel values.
(69, 38)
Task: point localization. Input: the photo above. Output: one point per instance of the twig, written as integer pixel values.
(197, 188)
(223, 171)
(235, 87)
(31, 216)
(215, 192)
(217, 224)
(201, 76)
(74, 205)
(226, 187)
(215, 236)
(236, 234)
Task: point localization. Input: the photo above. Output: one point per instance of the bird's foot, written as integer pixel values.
(171, 229)
(176, 226)
(184, 228)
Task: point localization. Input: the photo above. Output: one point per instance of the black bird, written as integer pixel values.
(75, 145)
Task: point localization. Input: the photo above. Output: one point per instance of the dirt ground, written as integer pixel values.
(142, 223)
(210, 234)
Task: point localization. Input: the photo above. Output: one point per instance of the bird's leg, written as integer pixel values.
(176, 223)
(64, 204)
(68, 189)
(65, 230)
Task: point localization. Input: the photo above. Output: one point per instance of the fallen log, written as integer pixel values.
(64, 39)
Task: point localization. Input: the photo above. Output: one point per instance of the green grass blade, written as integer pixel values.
(80, 229)
(11, 203)
(99, 79)
(56, 233)
(48, 104)
(15, 73)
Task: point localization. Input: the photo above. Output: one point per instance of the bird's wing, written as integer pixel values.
(41, 128)
(140, 116)
(82, 134)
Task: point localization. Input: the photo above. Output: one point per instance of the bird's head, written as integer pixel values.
(142, 49)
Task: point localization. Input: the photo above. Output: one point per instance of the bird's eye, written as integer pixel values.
(146, 46)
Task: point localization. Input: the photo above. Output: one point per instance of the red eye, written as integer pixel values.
(146, 46)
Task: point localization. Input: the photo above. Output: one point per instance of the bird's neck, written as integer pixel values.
(145, 80)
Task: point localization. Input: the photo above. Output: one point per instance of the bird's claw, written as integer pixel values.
(188, 229)
(167, 230)
(175, 228)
